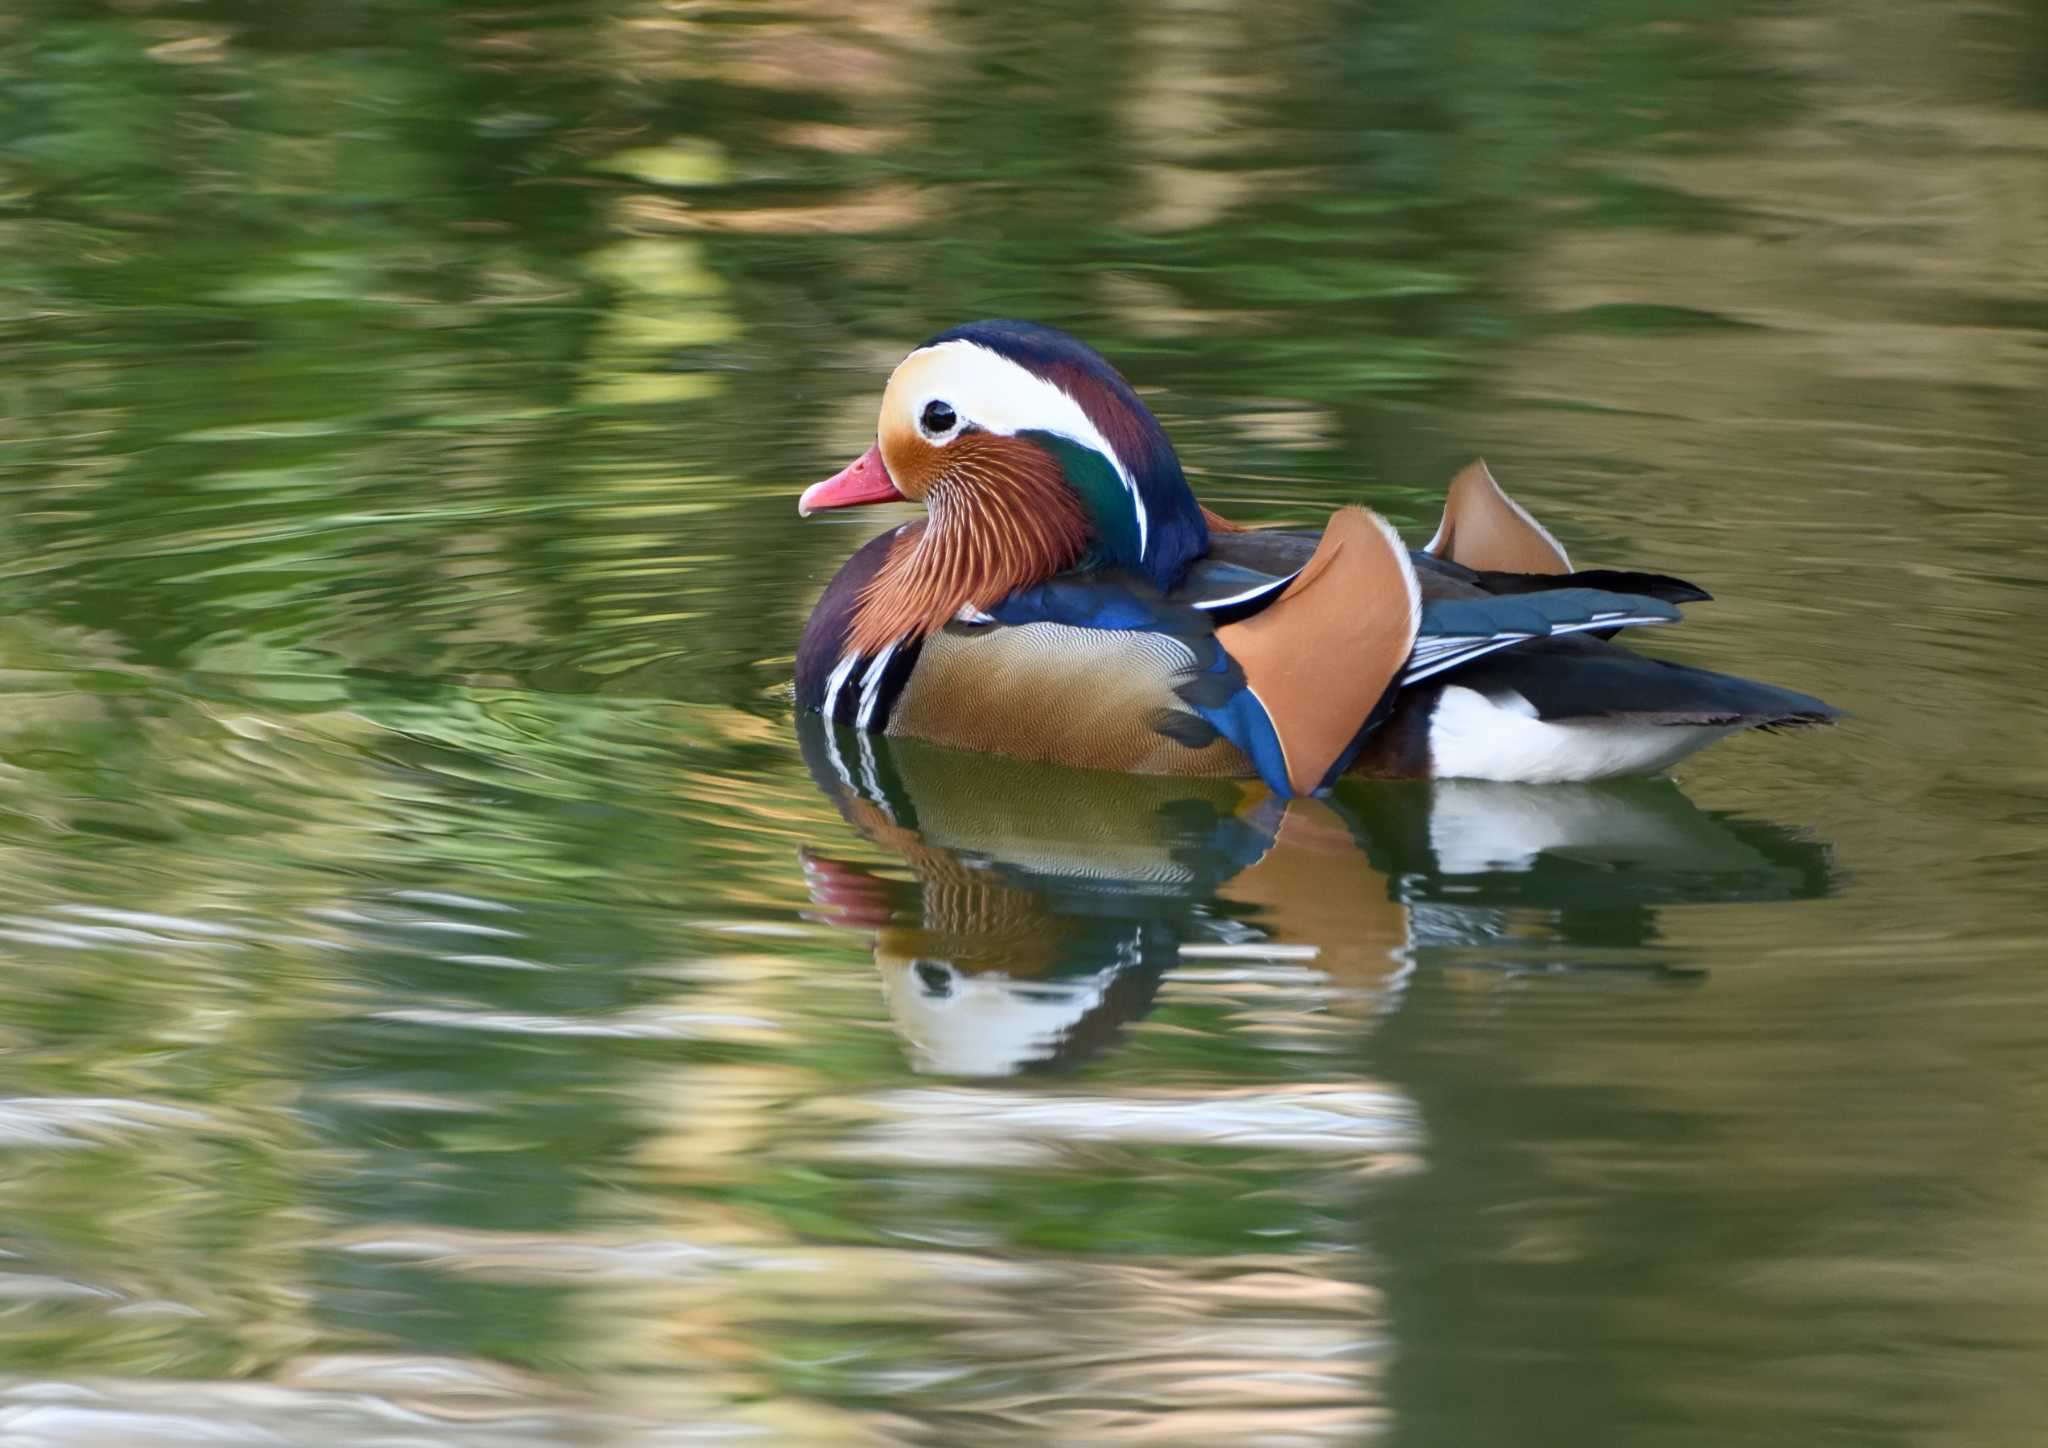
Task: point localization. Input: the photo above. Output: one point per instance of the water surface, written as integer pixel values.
(448, 999)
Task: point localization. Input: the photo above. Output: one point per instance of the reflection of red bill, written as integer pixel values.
(864, 480)
(851, 896)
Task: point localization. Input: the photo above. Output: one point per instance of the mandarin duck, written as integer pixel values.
(1067, 600)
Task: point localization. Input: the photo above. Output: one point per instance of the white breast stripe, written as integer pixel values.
(1472, 736)
(837, 681)
(871, 687)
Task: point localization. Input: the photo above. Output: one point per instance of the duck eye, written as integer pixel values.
(938, 418)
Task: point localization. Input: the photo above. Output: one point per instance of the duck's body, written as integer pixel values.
(1069, 601)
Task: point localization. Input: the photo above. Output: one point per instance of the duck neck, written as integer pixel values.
(980, 545)
(1144, 518)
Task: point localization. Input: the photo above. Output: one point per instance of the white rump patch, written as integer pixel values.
(1472, 736)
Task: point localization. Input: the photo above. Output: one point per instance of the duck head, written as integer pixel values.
(1032, 456)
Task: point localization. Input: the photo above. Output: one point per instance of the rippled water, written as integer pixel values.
(447, 999)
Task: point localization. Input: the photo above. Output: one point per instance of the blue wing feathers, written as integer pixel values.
(1243, 720)
(1089, 601)
(1456, 631)
(1215, 688)
(1536, 614)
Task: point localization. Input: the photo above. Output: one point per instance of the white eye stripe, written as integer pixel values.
(996, 395)
(871, 687)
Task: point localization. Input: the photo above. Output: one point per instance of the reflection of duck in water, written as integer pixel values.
(1048, 903)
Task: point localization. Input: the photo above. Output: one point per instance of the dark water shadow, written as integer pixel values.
(1044, 906)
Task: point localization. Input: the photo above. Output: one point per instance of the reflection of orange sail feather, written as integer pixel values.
(1315, 887)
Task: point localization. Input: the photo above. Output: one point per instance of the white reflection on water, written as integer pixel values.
(369, 1401)
(1024, 1129)
(88, 1121)
(652, 1024)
